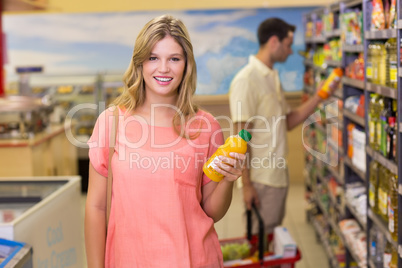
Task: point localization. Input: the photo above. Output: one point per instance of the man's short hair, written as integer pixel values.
(273, 27)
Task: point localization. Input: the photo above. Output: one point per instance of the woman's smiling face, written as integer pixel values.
(164, 69)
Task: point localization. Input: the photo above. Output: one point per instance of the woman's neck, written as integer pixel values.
(157, 114)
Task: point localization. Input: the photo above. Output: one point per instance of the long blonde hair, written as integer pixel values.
(134, 90)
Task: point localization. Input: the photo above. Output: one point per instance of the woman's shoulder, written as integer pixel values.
(109, 111)
(208, 120)
(206, 115)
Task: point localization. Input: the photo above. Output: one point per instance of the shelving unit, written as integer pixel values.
(346, 172)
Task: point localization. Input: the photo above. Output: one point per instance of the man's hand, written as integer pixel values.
(250, 196)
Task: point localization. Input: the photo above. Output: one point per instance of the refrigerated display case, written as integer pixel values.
(44, 212)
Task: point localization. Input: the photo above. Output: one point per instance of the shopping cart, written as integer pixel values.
(265, 259)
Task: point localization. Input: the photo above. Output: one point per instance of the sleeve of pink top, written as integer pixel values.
(216, 140)
(99, 144)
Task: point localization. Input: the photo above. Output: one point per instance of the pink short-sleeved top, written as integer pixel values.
(156, 218)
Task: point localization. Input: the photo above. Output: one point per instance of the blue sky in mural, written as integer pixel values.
(93, 43)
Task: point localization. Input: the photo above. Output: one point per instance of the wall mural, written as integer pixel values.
(94, 43)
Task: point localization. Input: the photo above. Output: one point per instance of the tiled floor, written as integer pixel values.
(232, 225)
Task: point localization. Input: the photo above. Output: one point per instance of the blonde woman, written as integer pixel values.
(163, 206)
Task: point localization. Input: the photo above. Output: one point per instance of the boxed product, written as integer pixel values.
(284, 245)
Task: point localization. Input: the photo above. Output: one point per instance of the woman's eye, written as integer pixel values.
(175, 59)
(152, 58)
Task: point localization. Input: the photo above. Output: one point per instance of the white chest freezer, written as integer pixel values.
(44, 212)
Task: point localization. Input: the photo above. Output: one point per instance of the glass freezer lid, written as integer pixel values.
(29, 191)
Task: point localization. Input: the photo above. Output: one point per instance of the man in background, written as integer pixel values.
(258, 104)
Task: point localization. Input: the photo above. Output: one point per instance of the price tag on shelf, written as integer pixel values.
(386, 91)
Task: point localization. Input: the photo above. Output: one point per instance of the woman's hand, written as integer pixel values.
(231, 167)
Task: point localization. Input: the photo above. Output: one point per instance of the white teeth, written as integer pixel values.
(163, 79)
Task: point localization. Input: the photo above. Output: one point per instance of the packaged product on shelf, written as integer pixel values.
(387, 255)
(319, 28)
(373, 119)
(356, 197)
(394, 259)
(393, 206)
(379, 64)
(380, 108)
(350, 128)
(329, 22)
(383, 190)
(377, 15)
(351, 27)
(391, 139)
(391, 63)
(309, 29)
(373, 186)
(369, 63)
(359, 149)
(355, 69)
(375, 248)
(384, 115)
(392, 15)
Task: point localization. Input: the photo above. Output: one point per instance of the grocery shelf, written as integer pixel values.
(352, 3)
(347, 171)
(320, 69)
(353, 82)
(349, 162)
(334, 63)
(327, 247)
(390, 165)
(315, 39)
(338, 93)
(337, 176)
(382, 227)
(335, 203)
(382, 90)
(354, 117)
(308, 62)
(380, 34)
(335, 145)
(352, 253)
(356, 216)
(352, 48)
(333, 33)
(307, 178)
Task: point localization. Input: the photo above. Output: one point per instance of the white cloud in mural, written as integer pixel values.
(51, 61)
(219, 70)
(289, 81)
(298, 37)
(214, 41)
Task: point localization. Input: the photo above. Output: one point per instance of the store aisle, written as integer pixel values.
(233, 225)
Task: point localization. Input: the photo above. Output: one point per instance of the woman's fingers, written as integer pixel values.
(231, 168)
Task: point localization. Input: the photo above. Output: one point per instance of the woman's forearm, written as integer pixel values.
(95, 236)
(218, 202)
